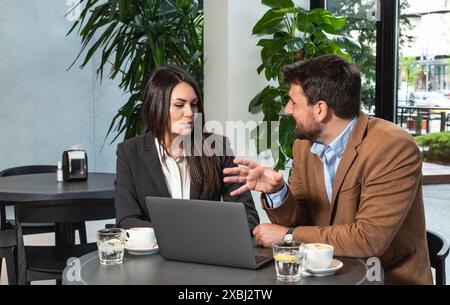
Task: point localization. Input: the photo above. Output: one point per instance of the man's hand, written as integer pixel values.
(266, 234)
(254, 176)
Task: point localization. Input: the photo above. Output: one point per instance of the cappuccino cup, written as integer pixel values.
(319, 256)
(140, 238)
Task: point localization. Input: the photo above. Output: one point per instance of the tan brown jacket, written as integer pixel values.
(376, 207)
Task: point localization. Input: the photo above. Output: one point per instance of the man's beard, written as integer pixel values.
(311, 133)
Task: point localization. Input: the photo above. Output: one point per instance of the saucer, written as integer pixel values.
(142, 251)
(334, 266)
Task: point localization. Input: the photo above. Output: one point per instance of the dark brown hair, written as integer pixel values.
(328, 78)
(205, 171)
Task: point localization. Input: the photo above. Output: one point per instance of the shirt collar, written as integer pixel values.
(163, 155)
(338, 145)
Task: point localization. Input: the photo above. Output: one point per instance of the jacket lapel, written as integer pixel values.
(320, 181)
(348, 157)
(153, 164)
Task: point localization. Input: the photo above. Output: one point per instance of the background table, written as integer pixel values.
(26, 189)
(411, 112)
(154, 270)
(37, 187)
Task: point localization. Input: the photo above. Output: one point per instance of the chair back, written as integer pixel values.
(29, 169)
(438, 249)
(48, 262)
(24, 170)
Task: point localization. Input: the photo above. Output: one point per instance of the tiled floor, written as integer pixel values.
(437, 213)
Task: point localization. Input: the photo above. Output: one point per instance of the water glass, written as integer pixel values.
(111, 244)
(289, 260)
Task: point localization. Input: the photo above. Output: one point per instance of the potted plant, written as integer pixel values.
(133, 38)
(435, 147)
(290, 34)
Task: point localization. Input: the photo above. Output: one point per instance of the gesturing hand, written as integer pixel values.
(254, 176)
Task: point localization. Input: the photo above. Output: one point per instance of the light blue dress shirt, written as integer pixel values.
(330, 155)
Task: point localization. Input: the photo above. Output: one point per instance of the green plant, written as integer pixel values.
(136, 36)
(296, 34)
(435, 147)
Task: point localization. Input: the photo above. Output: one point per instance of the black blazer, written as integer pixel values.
(139, 174)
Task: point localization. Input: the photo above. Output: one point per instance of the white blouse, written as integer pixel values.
(175, 172)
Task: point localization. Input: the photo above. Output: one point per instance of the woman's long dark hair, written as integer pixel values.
(205, 171)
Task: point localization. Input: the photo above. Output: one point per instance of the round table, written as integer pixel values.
(23, 189)
(38, 187)
(28, 189)
(154, 270)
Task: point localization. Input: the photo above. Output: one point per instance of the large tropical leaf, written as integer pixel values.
(295, 44)
(343, 41)
(270, 19)
(322, 16)
(278, 3)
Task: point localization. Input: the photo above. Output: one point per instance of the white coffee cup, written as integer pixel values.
(140, 238)
(319, 256)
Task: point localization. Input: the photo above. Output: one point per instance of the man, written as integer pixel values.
(355, 181)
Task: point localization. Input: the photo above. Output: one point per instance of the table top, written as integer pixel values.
(37, 187)
(154, 270)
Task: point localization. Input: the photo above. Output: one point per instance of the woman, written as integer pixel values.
(162, 163)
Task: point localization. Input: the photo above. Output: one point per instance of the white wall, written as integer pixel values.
(44, 108)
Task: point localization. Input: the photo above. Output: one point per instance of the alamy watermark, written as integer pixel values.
(73, 273)
(208, 141)
(373, 273)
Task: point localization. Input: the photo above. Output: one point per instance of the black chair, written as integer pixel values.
(33, 228)
(48, 262)
(7, 248)
(438, 249)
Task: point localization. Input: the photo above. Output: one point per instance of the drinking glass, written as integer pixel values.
(289, 259)
(111, 244)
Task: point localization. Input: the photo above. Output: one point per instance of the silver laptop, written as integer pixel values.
(208, 232)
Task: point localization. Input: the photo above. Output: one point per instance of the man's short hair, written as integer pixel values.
(328, 78)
